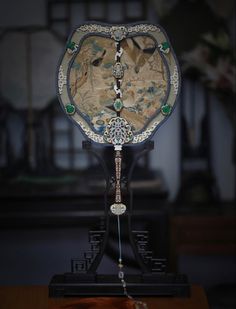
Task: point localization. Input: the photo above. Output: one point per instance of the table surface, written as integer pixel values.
(36, 297)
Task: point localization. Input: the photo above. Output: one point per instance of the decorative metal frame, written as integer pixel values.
(118, 33)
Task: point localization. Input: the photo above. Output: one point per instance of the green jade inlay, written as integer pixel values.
(118, 105)
(72, 46)
(70, 109)
(166, 109)
(164, 47)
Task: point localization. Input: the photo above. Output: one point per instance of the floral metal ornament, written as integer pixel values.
(118, 32)
(118, 132)
(118, 71)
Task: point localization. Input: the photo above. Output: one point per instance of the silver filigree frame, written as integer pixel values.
(87, 29)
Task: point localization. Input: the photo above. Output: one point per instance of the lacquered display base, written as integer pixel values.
(109, 285)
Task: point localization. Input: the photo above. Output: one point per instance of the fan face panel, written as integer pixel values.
(138, 59)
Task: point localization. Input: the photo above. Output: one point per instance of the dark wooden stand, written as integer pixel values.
(152, 278)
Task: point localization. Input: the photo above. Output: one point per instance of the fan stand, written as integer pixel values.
(152, 279)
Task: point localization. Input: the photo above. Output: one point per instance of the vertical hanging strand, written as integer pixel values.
(117, 58)
(118, 72)
(119, 132)
(119, 241)
(121, 275)
(118, 203)
(118, 161)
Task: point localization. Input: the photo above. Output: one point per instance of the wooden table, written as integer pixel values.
(36, 297)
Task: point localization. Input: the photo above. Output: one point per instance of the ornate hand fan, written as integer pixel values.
(118, 83)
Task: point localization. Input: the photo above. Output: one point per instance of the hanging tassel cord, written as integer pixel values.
(121, 275)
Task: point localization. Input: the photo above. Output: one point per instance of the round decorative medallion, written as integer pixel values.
(118, 131)
(118, 209)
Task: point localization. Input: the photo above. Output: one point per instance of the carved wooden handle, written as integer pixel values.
(118, 161)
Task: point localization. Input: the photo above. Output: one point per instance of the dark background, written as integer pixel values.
(51, 189)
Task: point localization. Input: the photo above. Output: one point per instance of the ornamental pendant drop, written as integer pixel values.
(118, 32)
(118, 209)
(118, 131)
(117, 70)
